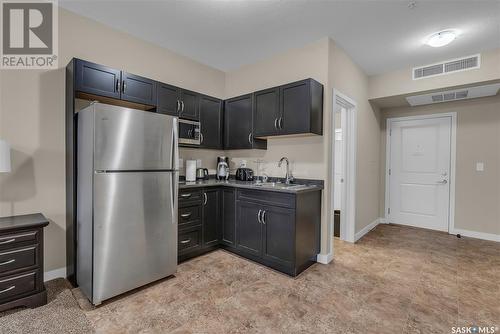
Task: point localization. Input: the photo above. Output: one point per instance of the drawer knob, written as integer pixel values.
(186, 241)
(8, 289)
(186, 215)
(7, 262)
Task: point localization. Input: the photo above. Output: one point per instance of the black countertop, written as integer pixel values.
(300, 186)
(23, 221)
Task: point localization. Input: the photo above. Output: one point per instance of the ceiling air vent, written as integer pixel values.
(454, 95)
(446, 67)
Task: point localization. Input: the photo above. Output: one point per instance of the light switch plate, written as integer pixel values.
(480, 166)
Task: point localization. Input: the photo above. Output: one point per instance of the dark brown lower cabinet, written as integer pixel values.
(279, 230)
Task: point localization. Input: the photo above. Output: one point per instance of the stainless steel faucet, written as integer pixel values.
(288, 176)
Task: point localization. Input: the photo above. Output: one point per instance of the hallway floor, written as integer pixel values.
(394, 280)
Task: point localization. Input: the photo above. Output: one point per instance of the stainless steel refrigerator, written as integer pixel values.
(127, 184)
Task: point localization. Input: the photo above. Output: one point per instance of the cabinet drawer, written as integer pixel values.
(189, 240)
(10, 240)
(189, 196)
(17, 258)
(190, 215)
(267, 197)
(18, 285)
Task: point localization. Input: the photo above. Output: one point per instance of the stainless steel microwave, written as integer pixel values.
(189, 132)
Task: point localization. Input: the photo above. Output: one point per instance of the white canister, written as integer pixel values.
(190, 170)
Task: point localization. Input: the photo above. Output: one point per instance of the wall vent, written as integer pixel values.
(447, 67)
(454, 95)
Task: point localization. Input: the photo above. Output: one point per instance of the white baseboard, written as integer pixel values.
(324, 258)
(56, 273)
(366, 229)
(477, 235)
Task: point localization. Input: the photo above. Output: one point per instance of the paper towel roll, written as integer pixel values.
(190, 170)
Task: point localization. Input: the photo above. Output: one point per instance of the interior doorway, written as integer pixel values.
(420, 171)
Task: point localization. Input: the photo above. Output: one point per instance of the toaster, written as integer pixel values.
(244, 174)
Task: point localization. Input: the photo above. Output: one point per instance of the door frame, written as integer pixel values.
(453, 160)
(348, 201)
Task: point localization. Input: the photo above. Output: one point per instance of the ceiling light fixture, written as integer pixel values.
(441, 38)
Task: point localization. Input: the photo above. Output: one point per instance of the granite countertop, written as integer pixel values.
(299, 186)
(23, 221)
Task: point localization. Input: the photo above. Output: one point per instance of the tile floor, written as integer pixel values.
(394, 280)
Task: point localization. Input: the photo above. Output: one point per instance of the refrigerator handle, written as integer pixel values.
(175, 144)
(175, 165)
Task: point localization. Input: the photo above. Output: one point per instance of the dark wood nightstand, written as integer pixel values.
(21, 261)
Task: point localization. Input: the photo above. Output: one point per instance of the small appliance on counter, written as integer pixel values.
(244, 174)
(190, 170)
(222, 168)
(202, 174)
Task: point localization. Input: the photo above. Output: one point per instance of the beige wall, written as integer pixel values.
(350, 80)
(32, 116)
(477, 195)
(400, 82)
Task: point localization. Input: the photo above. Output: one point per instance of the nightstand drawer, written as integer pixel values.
(8, 240)
(17, 285)
(18, 258)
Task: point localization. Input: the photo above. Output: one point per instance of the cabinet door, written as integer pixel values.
(228, 217)
(97, 79)
(138, 89)
(168, 99)
(296, 107)
(189, 105)
(279, 235)
(266, 112)
(211, 205)
(249, 235)
(238, 122)
(211, 122)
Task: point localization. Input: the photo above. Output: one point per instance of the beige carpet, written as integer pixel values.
(61, 314)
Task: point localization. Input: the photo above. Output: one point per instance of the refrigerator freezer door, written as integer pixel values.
(128, 139)
(135, 230)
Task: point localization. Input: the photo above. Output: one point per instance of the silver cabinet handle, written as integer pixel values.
(117, 88)
(186, 215)
(182, 106)
(124, 85)
(185, 241)
(7, 262)
(201, 138)
(7, 241)
(178, 105)
(250, 139)
(276, 123)
(186, 195)
(443, 182)
(258, 216)
(264, 217)
(205, 199)
(280, 122)
(8, 289)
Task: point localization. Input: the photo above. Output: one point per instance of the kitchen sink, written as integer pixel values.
(279, 185)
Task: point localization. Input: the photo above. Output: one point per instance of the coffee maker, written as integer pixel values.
(222, 168)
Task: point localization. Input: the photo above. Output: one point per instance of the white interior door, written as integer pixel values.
(420, 159)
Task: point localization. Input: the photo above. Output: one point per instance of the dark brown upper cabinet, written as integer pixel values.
(211, 122)
(295, 108)
(97, 79)
(105, 81)
(168, 99)
(238, 124)
(267, 112)
(138, 89)
(176, 101)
